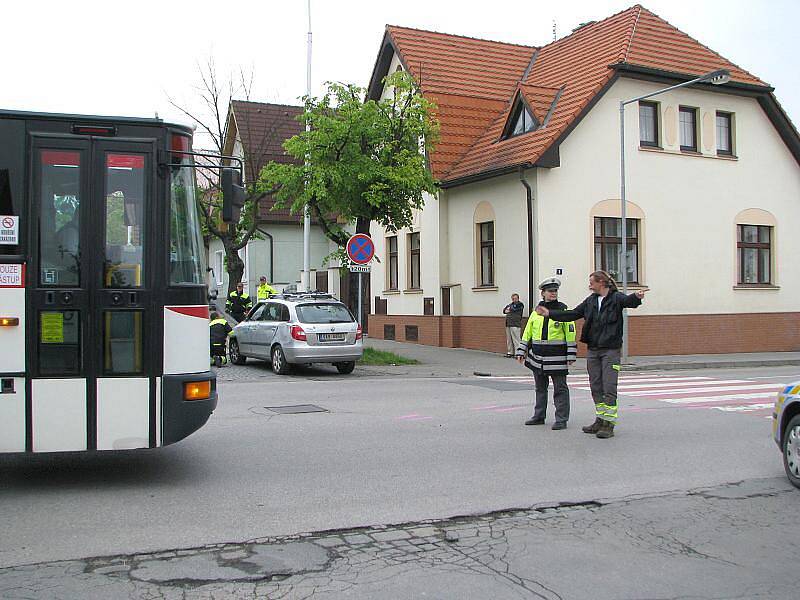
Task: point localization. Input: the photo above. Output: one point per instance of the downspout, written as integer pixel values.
(533, 257)
(271, 256)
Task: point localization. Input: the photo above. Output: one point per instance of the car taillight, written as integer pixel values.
(298, 333)
(359, 333)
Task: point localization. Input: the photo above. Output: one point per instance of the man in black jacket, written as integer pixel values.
(602, 333)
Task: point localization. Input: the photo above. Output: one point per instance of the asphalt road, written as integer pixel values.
(387, 450)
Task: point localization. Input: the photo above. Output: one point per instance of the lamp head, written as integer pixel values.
(717, 77)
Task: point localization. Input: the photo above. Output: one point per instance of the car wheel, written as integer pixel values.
(236, 357)
(345, 367)
(279, 364)
(791, 451)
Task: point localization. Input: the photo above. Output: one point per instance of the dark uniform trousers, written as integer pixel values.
(560, 395)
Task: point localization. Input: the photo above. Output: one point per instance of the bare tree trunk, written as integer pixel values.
(234, 265)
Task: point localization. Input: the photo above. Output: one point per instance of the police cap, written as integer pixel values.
(551, 283)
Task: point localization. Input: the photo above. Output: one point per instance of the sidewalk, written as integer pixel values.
(457, 362)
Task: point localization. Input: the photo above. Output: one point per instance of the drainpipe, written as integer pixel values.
(271, 256)
(533, 256)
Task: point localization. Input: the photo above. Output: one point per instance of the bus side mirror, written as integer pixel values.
(232, 195)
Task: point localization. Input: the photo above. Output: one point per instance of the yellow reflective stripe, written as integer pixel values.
(795, 391)
(615, 367)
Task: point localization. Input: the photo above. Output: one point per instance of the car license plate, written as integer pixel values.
(331, 337)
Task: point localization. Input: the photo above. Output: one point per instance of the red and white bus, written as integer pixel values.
(104, 337)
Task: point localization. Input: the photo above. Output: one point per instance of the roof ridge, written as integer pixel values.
(633, 32)
(266, 103)
(580, 30)
(698, 42)
(467, 37)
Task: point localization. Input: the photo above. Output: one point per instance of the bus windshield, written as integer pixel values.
(187, 264)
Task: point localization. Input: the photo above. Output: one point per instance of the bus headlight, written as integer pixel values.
(197, 390)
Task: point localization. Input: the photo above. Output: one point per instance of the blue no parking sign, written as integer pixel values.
(360, 249)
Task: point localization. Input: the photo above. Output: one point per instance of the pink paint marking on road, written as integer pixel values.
(508, 409)
(491, 406)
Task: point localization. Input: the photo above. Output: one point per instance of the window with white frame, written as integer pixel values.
(219, 267)
(486, 239)
(245, 256)
(413, 261)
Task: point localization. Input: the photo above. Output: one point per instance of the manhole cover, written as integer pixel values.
(296, 409)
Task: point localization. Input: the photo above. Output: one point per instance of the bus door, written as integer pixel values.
(93, 325)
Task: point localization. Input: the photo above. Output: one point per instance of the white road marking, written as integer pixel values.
(727, 397)
(724, 388)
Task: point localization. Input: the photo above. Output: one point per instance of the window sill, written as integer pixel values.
(413, 291)
(690, 151)
(389, 292)
(660, 150)
(649, 147)
(485, 288)
(756, 286)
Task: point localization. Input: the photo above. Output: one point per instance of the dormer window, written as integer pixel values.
(521, 121)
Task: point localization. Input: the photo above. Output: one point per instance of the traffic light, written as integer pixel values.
(232, 195)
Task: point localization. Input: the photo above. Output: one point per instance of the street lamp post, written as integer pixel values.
(715, 78)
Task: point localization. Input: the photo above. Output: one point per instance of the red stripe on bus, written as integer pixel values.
(201, 312)
(59, 157)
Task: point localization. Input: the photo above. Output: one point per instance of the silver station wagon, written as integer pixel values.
(298, 329)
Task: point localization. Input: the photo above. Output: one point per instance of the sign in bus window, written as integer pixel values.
(124, 230)
(122, 343)
(59, 342)
(59, 220)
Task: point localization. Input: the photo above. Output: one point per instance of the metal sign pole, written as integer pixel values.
(360, 303)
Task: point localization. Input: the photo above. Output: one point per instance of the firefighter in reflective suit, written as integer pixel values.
(548, 348)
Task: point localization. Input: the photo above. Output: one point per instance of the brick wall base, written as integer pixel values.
(649, 335)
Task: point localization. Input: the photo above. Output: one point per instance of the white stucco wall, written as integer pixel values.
(689, 203)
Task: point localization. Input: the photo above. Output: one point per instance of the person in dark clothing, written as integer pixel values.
(220, 329)
(602, 333)
(513, 313)
(239, 303)
(548, 348)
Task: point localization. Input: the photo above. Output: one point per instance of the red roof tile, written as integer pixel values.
(475, 81)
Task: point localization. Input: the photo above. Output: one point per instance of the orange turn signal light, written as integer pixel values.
(9, 321)
(197, 390)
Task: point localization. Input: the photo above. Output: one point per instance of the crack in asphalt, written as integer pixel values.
(507, 548)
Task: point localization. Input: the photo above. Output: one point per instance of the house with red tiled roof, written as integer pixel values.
(255, 132)
(529, 168)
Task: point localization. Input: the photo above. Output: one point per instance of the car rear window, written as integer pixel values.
(323, 313)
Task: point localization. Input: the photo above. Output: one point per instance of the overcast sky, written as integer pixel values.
(125, 58)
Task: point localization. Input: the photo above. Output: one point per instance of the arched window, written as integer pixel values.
(755, 247)
(607, 237)
(484, 220)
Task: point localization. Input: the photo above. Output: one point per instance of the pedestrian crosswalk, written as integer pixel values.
(729, 395)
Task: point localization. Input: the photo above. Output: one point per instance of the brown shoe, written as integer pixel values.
(606, 430)
(594, 427)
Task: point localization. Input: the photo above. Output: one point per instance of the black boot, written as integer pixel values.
(606, 430)
(534, 421)
(594, 427)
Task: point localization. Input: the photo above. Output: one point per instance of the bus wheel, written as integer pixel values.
(279, 364)
(345, 367)
(236, 357)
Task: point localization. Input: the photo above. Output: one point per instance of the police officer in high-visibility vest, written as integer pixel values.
(264, 291)
(238, 303)
(548, 348)
(220, 329)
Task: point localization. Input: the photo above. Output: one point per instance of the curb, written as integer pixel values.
(731, 364)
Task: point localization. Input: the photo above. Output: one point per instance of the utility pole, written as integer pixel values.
(305, 279)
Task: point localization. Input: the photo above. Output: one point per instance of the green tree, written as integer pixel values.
(363, 160)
